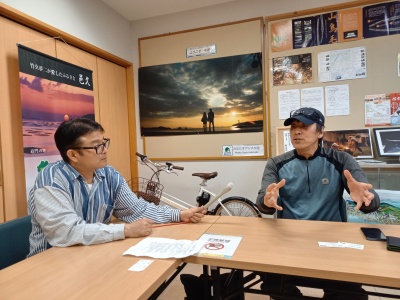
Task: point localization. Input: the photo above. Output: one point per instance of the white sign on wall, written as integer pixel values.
(242, 150)
(201, 51)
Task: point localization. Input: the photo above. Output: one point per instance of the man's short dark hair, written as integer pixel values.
(69, 132)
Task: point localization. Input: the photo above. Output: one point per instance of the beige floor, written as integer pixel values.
(176, 291)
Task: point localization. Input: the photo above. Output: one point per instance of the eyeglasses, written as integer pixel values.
(309, 113)
(99, 148)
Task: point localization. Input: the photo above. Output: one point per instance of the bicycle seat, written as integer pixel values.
(206, 176)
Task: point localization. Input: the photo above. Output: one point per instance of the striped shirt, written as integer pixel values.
(66, 212)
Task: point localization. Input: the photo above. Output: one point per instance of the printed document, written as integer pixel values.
(165, 248)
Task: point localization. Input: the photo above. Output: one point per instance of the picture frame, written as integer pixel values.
(282, 140)
(387, 141)
(356, 142)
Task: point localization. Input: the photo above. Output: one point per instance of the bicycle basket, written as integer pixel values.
(148, 190)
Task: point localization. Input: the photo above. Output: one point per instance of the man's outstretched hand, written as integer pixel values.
(359, 191)
(272, 193)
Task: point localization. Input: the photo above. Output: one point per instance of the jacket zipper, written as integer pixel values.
(308, 179)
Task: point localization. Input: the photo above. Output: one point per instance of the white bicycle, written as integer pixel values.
(152, 190)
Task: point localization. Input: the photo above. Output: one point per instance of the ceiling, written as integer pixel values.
(142, 9)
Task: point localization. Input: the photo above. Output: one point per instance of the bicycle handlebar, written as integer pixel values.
(177, 168)
(167, 165)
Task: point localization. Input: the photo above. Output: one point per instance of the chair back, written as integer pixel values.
(14, 241)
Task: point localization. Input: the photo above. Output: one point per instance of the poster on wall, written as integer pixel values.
(220, 95)
(288, 100)
(342, 64)
(376, 20)
(377, 109)
(356, 142)
(337, 100)
(394, 108)
(326, 29)
(294, 69)
(281, 36)
(303, 32)
(52, 91)
(350, 24)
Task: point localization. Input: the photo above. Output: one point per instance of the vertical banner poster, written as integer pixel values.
(52, 91)
(303, 31)
(326, 31)
(281, 36)
(350, 24)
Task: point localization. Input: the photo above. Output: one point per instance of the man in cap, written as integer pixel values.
(307, 183)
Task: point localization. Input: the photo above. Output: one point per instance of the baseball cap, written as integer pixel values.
(306, 115)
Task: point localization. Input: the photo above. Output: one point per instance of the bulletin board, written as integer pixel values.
(230, 39)
(382, 77)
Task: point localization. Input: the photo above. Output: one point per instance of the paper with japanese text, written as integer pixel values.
(219, 245)
(337, 100)
(165, 248)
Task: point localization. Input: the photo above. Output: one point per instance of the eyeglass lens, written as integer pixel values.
(100, 148)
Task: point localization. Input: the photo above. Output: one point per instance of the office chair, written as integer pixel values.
(14, 240)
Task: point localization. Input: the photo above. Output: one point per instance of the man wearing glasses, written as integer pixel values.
(73, 200)
(307, 183)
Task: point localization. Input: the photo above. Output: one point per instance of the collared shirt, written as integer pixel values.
(66, 212)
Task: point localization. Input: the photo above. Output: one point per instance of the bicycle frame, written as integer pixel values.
(175, 202)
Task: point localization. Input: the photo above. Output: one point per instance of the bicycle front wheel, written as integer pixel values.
(237, 206)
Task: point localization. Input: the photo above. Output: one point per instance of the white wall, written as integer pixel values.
(89, 20)
(96, 23)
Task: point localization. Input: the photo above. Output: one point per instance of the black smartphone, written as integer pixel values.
(373, 234)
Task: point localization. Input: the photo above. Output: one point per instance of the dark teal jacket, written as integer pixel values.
(314, 187)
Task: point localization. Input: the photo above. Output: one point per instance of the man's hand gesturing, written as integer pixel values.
(271, 194)
(359, 191)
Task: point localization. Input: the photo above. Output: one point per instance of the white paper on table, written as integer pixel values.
(219, 245)
(352, 246)
(165, 248)
(141, 265)
(341, 245)
(331, 245)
